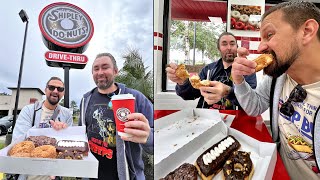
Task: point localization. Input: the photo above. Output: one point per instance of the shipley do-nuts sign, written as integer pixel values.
(65, 27)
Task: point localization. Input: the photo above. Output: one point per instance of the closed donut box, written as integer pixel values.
(87, 167)
(193, 131)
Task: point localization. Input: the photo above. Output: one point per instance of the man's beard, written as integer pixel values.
(278, 67)
(228, 59)
(53, 102)
(105, 84)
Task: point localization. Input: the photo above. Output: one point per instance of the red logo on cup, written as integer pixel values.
(122, 114)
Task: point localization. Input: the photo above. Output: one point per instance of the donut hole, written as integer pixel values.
(238, 167)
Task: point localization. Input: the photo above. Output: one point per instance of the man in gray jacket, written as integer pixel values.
(45, 114)
(290, 32)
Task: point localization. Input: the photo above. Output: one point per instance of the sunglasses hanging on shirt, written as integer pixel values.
(298, 94)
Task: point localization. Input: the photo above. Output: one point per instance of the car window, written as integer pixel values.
(6, 118)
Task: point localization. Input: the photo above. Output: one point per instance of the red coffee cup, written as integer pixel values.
(122, 105)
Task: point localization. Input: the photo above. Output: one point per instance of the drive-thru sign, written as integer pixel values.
(66, 31)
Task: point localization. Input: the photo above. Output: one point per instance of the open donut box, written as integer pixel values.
(87, 167)
(183, 136)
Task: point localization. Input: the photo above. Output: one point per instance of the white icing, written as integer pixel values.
(222, 146)
(217, 150)
(211, 155)
(231, 139)
(214, 153)
(71, 144)
(225, 143)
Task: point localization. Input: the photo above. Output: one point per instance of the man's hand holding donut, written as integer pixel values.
(242, 66)
(139, 128)
(171, 74)
(215, 92)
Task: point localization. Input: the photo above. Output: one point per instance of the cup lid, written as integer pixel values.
(122, 96)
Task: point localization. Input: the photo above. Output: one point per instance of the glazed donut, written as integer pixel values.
(253, 23)
(22, 147)
(263, 61)
(249, 27)
(244, 18)
(197, 83)
(239, 165)
(45, 151)
(239, 25)
(235, 14)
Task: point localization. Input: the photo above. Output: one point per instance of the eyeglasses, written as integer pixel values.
(52, 88)
(298, 94)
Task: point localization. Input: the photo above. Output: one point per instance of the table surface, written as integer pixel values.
(252, 126)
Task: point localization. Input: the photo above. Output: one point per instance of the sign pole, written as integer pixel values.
(24, 17)
(66, 68)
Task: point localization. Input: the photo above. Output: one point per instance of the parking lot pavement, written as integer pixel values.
(2, 138)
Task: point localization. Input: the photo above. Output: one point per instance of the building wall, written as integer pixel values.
(8, 102)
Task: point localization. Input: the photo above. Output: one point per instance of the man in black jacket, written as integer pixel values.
(220, 94)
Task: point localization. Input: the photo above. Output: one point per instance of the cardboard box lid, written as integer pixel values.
(263, 155)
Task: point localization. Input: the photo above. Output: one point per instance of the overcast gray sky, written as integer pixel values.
(117, 25)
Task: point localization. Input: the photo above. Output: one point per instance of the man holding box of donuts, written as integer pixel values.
(217, 91)
(45, 114)
(291, 88)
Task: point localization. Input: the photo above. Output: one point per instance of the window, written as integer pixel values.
(192, 35)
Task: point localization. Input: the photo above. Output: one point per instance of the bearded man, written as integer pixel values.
(219, 95)
(119, 157)
(45, 114)
(290, 32)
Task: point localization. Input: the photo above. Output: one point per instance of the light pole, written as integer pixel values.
(24, 17)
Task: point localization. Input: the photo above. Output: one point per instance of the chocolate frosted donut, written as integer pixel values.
(70, 145)
(238, 166)
(186, 172)
(42, 140)
(210, 162)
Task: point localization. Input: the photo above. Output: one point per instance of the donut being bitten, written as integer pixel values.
(197, 83)
(238, 166)
(182, 72)
(263, 61)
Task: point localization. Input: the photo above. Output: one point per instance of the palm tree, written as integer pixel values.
(135, 75)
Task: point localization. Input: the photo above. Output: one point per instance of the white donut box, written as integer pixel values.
(181, 137)
(87, 167)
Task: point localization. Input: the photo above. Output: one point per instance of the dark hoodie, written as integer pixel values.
(217, 73)
(129, 154)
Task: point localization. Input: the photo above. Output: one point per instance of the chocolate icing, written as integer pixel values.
(216, 165)
(185, 172)
(66, 154)
(242, 161)
(42, 140)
